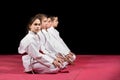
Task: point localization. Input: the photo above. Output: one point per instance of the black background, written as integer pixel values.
(86, 27)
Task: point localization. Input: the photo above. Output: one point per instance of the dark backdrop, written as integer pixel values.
(86, 27)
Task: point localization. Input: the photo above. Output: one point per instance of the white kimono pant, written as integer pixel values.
(39, 68)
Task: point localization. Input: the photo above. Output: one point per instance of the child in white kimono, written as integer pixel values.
(47, 48)
(30, 46)
(63, 49)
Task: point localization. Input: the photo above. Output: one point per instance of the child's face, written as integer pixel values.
(44, 23)
(36, 26)
(55, 22)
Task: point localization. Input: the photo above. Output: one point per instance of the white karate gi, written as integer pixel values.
(52, 44)
(34, 60)
(56, 35)
(43, 46)
(48, 50)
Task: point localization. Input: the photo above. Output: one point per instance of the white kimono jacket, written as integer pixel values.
(45, 50)
(54, 44)
(34, 60)
(54, 33)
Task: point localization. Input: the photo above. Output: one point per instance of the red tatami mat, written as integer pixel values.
(85, 67)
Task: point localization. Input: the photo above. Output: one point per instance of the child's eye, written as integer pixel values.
(37, 24)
